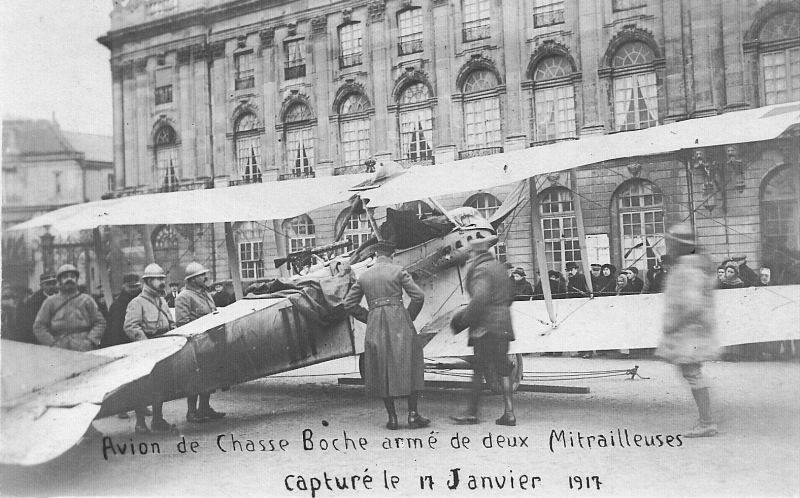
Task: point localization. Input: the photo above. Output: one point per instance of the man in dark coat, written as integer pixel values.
(393, 361)
(635, 284)
(558, 287)
(115, 332)
(523, 290)
(172, 294)
(596, 276)
(48, 285)
(689, 334)
(488, 317)
(576, 281)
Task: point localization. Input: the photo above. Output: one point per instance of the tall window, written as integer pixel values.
(477, 15)
(635, 91)
(251, 248)
(481, 111)
(553, 100)
(295, 65)
(350, 45)
(248, 148)
(301, 233)
(559, 228)
(357, 229)
(165, 249)
(547, 12)
(416, 123)
(168, 169)
(354, 129)
(780, 66)
(410, 24)
(163, 86)
(780, 216)
(245, 75)
(641, 218)
(299, 140)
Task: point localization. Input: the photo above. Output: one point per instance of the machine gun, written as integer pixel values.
(305, 257)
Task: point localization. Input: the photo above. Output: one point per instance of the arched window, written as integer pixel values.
(559, 228)
(481, 111)
(420, 208)
(635, 90)
(416, 123)
(166, 249)
(780, 218)
(250, 236)
(248, 148)
(300, 232)
(357, 228)
(553, 100)
(486, 204)
(299, 140)
(354, 129)
(641, 220)
(780, 64)
(168, 166)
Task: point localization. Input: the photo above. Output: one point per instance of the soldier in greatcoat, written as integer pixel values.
(488, 317)
(193, 302)
(69, 319)
(146, 316)
(393, 361)
(689, 334)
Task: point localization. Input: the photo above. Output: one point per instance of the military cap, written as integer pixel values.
(47, 277)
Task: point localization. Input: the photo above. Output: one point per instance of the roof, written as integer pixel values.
(281, 200)
(34, 137)
(97, 148)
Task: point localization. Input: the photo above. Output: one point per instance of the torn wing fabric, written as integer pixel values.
(479, 173)
(258, 201)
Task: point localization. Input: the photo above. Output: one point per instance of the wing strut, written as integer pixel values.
(102, 266)
(538, 242)
(576, 202)
(233, 261)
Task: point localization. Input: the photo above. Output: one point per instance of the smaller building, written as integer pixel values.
(46, 168)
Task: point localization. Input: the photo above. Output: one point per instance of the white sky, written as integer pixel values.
(50, 62)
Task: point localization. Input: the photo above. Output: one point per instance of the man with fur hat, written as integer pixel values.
(689, 334)
(193, 302)
(393, 361)
(488, 317)
(48, 285)
(69, 319)
(146, 316)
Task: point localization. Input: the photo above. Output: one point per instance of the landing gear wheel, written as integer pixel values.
(493, 379)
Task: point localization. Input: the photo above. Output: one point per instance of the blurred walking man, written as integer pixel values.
(689, 336)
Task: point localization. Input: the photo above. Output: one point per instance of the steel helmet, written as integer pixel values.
(67, 268)
(153, 271)
(194, 269)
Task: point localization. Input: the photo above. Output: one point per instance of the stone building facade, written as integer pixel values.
(214, 94)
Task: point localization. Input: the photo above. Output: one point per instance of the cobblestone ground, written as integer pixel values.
(756, 452)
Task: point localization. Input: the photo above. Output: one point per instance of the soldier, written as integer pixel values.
(48, 285)
(393, 362)
(488, 316)
(193, 302)
(69, 319)
(148, 316)
(689, 335)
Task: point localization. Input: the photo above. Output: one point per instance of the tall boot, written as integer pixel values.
(470, 416)
(158, 423)
(192, 414)
(141, 423)
(706, 427)
(205, 409)
(415, 420)
(392, 424)
(508, 417)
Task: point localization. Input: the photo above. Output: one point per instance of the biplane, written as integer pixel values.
(50, 397)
